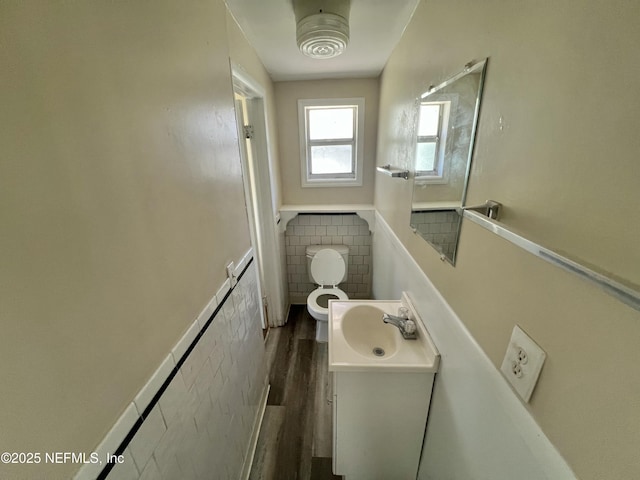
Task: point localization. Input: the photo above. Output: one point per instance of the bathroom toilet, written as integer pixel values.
(327, 267)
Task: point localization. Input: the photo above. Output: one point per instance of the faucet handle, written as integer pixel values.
(410, 326)
(403, 312)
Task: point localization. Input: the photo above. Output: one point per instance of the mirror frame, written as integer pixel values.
(471, 67)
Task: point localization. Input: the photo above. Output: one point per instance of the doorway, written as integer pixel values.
(261, 203)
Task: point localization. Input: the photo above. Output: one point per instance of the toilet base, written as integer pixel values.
(322, 331)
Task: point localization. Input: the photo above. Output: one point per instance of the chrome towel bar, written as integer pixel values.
(624, 293)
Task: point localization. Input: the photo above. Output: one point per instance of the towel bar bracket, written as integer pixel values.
(393, 172)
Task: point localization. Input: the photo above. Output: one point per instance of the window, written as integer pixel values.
(331, 141)
(430, 147)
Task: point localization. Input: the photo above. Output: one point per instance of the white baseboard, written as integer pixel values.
(253, 444)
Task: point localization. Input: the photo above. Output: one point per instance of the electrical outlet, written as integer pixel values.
(522, 363)
(231, 273)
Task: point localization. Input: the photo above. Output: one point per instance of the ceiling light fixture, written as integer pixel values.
(322, 35)
(322, 27)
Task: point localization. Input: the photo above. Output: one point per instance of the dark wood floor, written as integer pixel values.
(296, 435)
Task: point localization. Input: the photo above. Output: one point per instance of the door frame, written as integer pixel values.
(261, 207)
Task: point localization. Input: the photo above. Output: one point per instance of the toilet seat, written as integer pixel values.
(322, 313)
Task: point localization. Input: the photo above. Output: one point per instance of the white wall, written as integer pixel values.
(477, 428)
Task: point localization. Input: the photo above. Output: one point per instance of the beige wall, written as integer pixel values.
(565, 166)
(120, 202)
(287, 95)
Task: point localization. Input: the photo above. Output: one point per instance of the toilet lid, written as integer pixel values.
(327, 267)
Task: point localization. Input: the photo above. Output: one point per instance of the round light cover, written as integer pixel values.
(322, 35)
(327, 267)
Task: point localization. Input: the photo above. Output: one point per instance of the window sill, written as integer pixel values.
(430, 180)
(336, 182)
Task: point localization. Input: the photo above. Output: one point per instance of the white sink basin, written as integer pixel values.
(366, 335)
(360, 341)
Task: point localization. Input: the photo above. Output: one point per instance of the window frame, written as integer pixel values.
(351, 179)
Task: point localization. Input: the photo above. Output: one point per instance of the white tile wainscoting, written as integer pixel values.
(477, 427)
(328, 229)
(438, 228)
(199, 414)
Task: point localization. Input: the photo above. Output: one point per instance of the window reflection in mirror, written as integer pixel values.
(447, 120)
(433, 125)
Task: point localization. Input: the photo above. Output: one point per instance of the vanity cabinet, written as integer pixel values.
(379, 419)
(382, 386)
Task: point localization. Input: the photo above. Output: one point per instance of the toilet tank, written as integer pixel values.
(343, 250)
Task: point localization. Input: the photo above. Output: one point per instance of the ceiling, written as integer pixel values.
(270, 26)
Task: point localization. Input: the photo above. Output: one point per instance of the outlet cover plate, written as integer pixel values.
(522, 363)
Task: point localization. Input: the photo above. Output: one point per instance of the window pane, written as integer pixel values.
(331, 159)
(426, 157)
(429, 120)
(331, 123)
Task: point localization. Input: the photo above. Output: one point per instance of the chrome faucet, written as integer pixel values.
(406, 326)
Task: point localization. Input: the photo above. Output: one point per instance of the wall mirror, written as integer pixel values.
(446, 127)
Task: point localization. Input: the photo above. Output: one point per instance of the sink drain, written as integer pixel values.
(378, 352)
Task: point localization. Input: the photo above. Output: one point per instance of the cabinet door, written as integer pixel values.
(379, 420)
